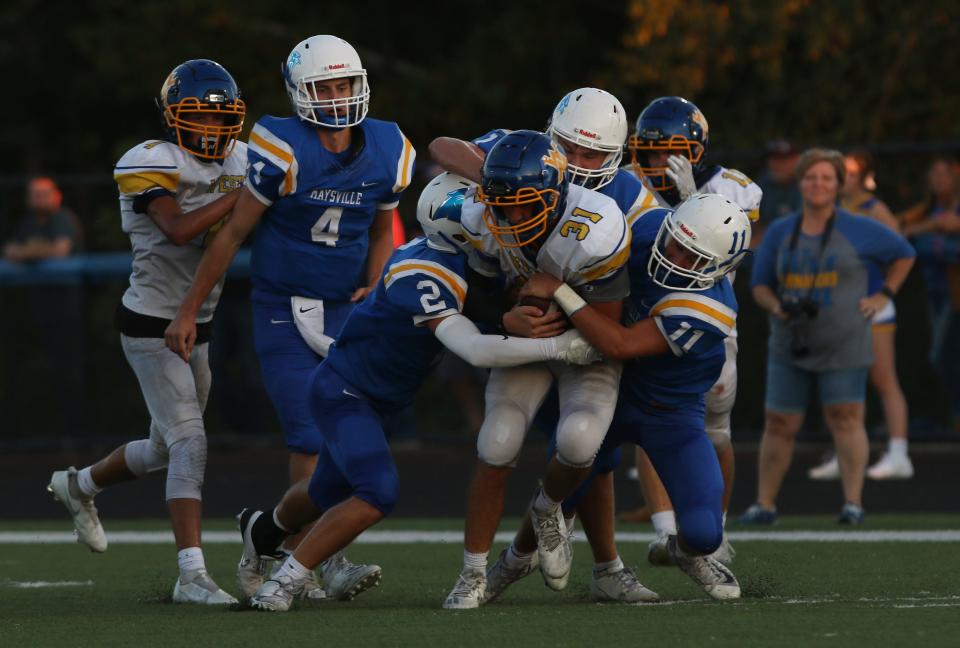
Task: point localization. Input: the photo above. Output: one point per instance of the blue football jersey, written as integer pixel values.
(693, 323)
(312, 241)
(384, 348)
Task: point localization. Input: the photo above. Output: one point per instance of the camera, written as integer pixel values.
(800, 311)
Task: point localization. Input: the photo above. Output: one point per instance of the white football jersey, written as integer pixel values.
(734, 185)
(162, 271)
(588, 244)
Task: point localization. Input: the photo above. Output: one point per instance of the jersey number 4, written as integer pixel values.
(327, 228)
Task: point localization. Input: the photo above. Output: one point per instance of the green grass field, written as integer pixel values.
(795, 593)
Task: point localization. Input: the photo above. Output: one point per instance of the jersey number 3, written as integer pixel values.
(327, 228)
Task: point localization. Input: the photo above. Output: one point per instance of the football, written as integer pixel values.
(545, 305)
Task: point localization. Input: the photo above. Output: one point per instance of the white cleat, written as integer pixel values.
(86, 523)
(657, 553)
(500, 576)
(252, 569)
(725, 553)
(343, 580)
(313, 590)
(554, 548)
(198, 587)
(715, 579)
(829, 470)
(891, 467)
(620, 586)
(276, 594)
(469, 591)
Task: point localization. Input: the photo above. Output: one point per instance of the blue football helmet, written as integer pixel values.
(523, 168)
(668, 125)
(192, 91)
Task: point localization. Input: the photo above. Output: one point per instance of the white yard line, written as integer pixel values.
(39, 584)
(456, 537)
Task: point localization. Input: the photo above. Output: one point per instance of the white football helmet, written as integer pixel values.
(322, 58)
(595, 119)
(438, 211)
(705, 238)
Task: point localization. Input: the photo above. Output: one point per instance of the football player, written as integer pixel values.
(679, 311)
(667, 154)
(174, 193)
(387, 347)
(527, 216)
(322, 186)
(590, 126)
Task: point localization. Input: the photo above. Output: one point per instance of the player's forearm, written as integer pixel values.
(461, 336)
(186, 226)
(213, 265)
(606, 335)
(381, 247)
(458, 156)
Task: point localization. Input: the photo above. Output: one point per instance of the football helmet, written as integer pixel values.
(523, 168)
(201, 87)
(438, 210)
(668, 125)
(596, 120)
(705, 238)
(319, 59)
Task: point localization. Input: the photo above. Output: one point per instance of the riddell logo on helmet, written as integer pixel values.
(337, 66)
(580, 131)
(685, 230)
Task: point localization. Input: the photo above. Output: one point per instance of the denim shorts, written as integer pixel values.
(789, 388)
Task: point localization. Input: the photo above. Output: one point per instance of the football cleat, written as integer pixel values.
(469, 591)
(756, 514)
(725, 553)
(554, 548)
(620, 586)
(891, 466)
(829, 470)
(343, 580)
(851, 514)
(86, 523)
(312, 589)
(197, 587)
(657, 553)
(500, 576)
(715, 579)
(254, 566)
(276, 594)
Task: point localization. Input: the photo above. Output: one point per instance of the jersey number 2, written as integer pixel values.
(432, 301)
(327, 228)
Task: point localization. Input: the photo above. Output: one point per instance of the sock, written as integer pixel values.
(293, 570)
(88, 487)
(543, 502)
(515, 559)
(898, 447)
(723, 520)
(614, 565)
(569, 522)
(190, 560)
(475, 560)
(267, 534)
(277, 522)
(664, 522)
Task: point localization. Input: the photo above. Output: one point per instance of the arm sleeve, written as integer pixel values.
(406, 157)
(145, 173)
(459, 334)
(687, 336)
(878, 243)
(424, 289)
(271, 166)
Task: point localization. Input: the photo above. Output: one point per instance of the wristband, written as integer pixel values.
(568, 299)
(888, 291)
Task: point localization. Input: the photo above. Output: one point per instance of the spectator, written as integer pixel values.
(857, 197)
(934, 228)
(811, 275)
(778, 181)
(48, 230)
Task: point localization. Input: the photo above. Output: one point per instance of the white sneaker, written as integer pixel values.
(312, 589)
(620, 586)
(725, 553)
(657, 553)
(253, 568)
(715, 579)
(500, 576)
(891, 467)
(86, 523)
(276, 594)
(469, 591)
(829, 470)
(553, 546)
(343, 580)
(198, 587)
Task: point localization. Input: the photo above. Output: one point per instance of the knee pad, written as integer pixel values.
(383, 494)
(188, 460)
(144, 456)
(579, 437)
(501, 435)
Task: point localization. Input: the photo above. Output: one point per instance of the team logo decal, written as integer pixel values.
(701, 121)
(294, 60)
(563, 104)
(557, 160)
